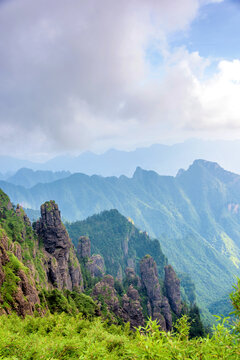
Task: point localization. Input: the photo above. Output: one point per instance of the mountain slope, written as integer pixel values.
(118, 241)
(40, 270)
(194, 215)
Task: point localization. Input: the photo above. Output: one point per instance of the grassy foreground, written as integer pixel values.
(62, 336)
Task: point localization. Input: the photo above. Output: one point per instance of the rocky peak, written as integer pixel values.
(131, 277)
(133, 293)
(131, 308)
(51, 229)
(63, 268)
(95, 263)
(84, 247)
(96, 266)
(149, 277)
(172, 285)
(158, 306)
(104, 289)
(129, 311)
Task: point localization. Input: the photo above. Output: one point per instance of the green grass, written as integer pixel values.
(67, 337)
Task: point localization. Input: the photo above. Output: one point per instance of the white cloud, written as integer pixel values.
(74, 75)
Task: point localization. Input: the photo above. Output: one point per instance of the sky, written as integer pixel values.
(93, 75)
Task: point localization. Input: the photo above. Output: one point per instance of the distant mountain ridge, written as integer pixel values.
(29, 178)
(195, 215)
(164, 159)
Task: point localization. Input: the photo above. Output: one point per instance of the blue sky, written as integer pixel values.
(215, 32)
(94, 75)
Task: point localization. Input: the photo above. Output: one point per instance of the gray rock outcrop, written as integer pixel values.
(172, 285)
(132, 309)
(62, 265)
(131, 278)
(25, 297)
(158, 306)
(84, 247)
(96, 266)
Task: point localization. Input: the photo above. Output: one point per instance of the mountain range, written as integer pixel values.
(194, 215)
(41, 271)
(164, 159)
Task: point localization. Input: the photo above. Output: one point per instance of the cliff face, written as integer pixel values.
(172, 285)
(45, 259)
(158, 306)
(84, 247)
(62, 266)
(95, 263)
(118, 241)
(129, 308)
(17, 287)
(96, 266)
(31, 261)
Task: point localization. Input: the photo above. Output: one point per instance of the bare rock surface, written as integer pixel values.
(23, 297)
(84, 247)
(63, 268)
(172, 285)
(96, 266)
(131, 277)
(157, 304)
(131, 308)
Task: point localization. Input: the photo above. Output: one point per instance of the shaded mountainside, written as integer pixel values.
(40, 271)
(31, 262)
(120, 243)
(194, 215)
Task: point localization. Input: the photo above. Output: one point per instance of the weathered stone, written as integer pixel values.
(25, 297)
(84, 247)
(166, 311)
(96, 266)
(132, 278)
(157, 306)
(63, 268)
(130, 311)
(149, 276)
(172, 285)
(133, 293)
(108, 279)
(17, 250)
(105, 289)
(131, 308)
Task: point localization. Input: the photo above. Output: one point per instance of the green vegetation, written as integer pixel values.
(15, 225)
(195, 216)
(88, 280)
(70, 325)
(69, 302)
(62, 336)
(117, 240)
(50, 205)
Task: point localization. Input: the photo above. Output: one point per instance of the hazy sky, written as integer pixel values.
(89, 75)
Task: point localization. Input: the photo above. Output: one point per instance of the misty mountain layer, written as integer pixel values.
(195, 215)
(164, 159)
